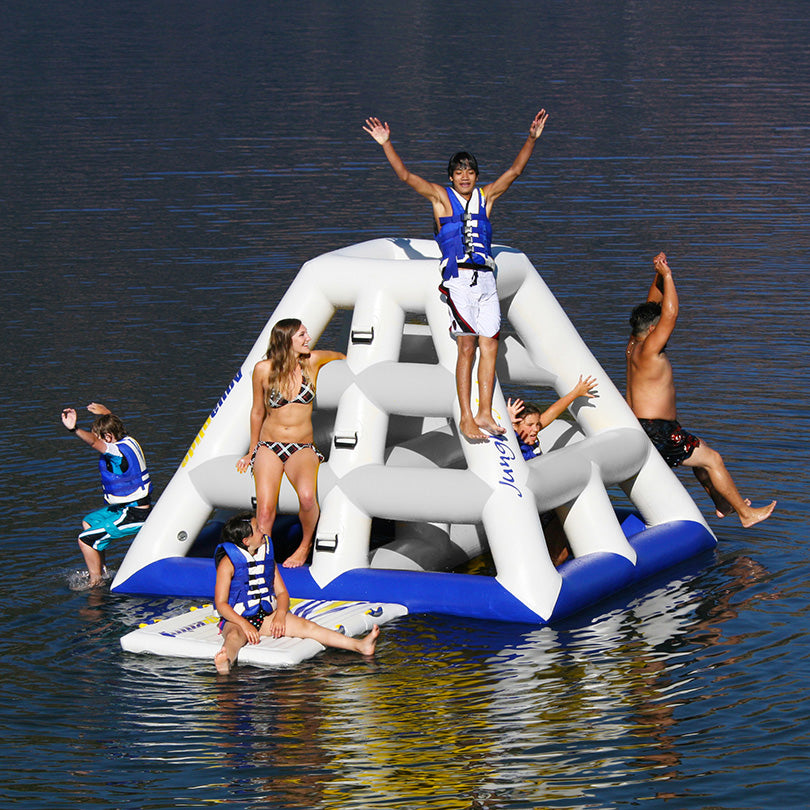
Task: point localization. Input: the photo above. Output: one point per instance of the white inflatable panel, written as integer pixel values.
(195, 634)
(388, 417)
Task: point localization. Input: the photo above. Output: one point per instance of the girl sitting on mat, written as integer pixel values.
(252, 600)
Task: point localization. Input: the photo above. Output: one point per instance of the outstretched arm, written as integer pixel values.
(69, 417)
(381, 133)
(318, 359)
(494, 190)
(583, 388)
(662, 291)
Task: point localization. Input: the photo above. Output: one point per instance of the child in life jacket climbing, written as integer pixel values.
(461, 223)
(253, 601)
(125, 483)
(528, 420)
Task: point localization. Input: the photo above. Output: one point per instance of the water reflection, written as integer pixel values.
(167, 177)
(463, 715)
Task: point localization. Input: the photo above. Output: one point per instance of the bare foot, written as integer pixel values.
(369, 643)
(757, 515)
(222, 662)
(725, 512)
(471, 430)
(297, 558)
(490, 425)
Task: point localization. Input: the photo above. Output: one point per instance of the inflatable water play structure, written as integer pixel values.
(386, 418)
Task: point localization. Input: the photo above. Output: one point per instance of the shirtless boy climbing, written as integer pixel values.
(651, 396)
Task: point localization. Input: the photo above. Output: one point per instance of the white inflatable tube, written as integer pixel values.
(397, 385)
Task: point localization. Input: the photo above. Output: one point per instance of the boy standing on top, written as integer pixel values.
(461, 223)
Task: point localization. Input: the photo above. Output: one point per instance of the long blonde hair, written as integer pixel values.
(282, 360)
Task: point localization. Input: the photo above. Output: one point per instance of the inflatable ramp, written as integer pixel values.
(195, 635)
(387, 417)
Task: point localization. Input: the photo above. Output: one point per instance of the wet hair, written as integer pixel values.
(464, 160)
(528, 409)
(282, 360)
(644, 316)
(108, 423)
(238, 529)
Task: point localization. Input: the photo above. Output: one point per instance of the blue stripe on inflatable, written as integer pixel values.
(585, 581)
(174, 576)
(468, 595)
(589, 579)
(421, 592)
(663, 546)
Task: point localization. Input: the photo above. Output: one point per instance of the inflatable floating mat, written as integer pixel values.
(195, 634)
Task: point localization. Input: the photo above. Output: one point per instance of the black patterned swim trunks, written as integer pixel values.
(668, 437)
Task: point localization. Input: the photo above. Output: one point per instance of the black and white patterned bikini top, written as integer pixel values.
(304, 396)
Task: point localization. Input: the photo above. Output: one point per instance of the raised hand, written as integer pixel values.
(69, 418)
(583, 388)
(513, 409)
(379, 131)
(660, 264)
(536, 127)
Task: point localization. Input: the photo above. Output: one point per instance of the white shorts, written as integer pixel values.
(474, 310)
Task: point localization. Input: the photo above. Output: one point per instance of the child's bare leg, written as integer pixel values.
(233, 641)
(486, 385)
(94, 562)
(556, 540)
(296, 627)
(466, 345)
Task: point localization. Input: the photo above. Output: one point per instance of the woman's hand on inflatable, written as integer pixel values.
(244, 463)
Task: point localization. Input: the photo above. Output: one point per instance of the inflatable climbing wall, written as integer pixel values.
(389, 416)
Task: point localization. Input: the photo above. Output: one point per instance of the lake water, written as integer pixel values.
(169, 167)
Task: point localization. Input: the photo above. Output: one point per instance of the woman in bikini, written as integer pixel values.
(281, 429)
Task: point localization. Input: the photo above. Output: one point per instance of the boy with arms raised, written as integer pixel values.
(461, 223)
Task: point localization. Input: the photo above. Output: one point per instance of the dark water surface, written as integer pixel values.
(169, 166)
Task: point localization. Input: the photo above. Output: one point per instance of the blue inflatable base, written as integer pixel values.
(585, 581)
